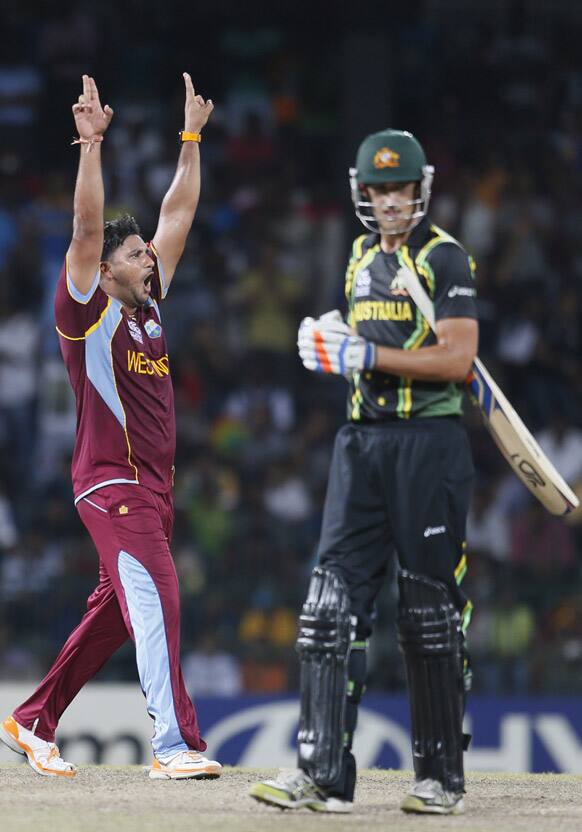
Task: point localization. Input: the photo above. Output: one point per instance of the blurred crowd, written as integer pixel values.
(269, 245)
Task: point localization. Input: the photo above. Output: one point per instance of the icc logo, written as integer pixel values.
(363, 283)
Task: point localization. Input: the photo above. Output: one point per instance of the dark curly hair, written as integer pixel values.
(116, 232)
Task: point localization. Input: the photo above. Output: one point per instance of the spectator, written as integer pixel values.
(210, 670)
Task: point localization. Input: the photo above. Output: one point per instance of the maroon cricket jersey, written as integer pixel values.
(119, 371)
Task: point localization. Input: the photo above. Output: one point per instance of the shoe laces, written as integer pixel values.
(186, 757)
(289, 775)
(54, 756)
(195, 756)
(298, 782)
(433, 790)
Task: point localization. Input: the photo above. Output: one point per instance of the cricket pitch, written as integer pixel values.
(122, 798)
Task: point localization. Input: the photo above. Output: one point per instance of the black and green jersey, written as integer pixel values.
(382, 311)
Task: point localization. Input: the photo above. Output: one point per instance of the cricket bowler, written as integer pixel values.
(111, 333)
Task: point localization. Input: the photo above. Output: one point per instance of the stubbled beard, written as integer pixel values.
(399, 226)
(138, 301)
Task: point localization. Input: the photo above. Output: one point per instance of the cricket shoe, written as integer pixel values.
(429, 797)
(185, 765)
(43, 757)
(296, 790)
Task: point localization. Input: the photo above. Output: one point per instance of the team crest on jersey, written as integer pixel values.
(153, 328)
(134, 330)
(363, 283)
(397, 287)
(386, 158)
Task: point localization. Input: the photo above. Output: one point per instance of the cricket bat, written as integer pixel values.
(508, 431)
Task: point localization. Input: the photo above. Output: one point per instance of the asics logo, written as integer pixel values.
(432, 530)
(461, 291)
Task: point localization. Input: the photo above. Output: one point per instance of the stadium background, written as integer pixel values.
(494, 92)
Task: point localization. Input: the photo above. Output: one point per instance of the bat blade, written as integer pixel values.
(509, 433)
(518, 446)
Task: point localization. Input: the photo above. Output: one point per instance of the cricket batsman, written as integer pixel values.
(400, 480)
(109, 323)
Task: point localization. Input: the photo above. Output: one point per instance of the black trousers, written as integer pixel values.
(401, 486)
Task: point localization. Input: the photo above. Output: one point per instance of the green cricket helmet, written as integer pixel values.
(390, 156)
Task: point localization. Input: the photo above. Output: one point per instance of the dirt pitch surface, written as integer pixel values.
(122, 798)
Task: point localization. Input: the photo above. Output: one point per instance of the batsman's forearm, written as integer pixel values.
(89, 195)
(436, 363)
(181, 199)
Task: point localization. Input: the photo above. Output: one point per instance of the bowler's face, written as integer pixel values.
(130, 272)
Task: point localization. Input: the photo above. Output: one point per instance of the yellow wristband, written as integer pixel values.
(189, 137)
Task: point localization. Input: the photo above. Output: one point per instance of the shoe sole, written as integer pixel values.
(210, 773)
(417, 806)
(26, 751)
(274, 797)
(336, 808)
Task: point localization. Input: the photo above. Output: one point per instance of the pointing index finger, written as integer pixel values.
(93, 89)
(189, 86)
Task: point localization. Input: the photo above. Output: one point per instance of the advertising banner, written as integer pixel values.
(108, 723)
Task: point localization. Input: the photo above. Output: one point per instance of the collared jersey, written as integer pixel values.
(119, 370)
(382, 311)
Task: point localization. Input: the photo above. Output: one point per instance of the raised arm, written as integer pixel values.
(180, 202)
(91, 120)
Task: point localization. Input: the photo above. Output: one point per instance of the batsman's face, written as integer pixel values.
(129, 272)
(393, 205)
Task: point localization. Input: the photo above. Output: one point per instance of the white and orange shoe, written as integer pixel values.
(185, 765)
(43, 757)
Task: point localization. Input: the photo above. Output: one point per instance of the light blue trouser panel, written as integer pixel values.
(153, 664)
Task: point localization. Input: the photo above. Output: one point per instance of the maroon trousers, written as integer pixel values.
(137, 596)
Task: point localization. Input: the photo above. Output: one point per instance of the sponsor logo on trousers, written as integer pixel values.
(432, 530)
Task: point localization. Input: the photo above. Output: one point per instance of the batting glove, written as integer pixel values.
(328, 345)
